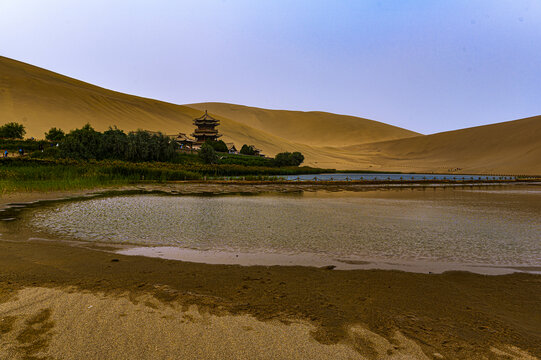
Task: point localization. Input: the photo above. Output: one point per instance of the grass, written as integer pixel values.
(31, 174)
(7, 186)
(44, 175)
(13, 145)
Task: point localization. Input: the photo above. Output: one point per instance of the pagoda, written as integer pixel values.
(205, 129)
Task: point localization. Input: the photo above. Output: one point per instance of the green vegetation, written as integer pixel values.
(208, 154)
(55, 135)
(14, 145)
(88, 144)
(29, 174)
(86, 158)
(33, 174)
(36, 174)
(247, 150)
(246, 160)
(219, 146)
(12, 130)
(289, 159)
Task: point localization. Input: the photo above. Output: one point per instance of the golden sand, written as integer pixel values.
(41, 99)
(313, 128)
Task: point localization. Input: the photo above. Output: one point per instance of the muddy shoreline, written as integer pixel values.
(454, 314)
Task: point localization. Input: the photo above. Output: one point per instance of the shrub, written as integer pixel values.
(51, 152)
(28, 145)
(246, 160)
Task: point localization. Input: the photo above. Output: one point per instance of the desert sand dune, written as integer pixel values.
(41, 99)
(512, 147)
(314, 128)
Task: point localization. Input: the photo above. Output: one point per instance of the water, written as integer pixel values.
(392, 177)
(477, 226)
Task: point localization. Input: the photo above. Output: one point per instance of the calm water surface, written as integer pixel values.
(498, 226)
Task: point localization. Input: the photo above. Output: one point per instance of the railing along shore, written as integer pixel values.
(319, 181)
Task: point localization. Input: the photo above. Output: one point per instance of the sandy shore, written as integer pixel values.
(62, 301)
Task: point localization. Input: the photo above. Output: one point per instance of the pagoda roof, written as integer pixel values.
(205, 131)
(197, 132)
(206, 116)
(183, 137)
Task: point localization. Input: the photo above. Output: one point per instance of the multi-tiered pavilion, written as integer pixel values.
(205, 130)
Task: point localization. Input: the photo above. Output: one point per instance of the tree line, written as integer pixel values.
(138, 146)
(87, 143)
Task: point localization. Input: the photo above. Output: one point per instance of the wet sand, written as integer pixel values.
(66, 301)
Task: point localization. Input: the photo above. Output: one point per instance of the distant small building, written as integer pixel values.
(231, 148)
(181, 139)
(205, 130)
(184, 141)
(257, 152)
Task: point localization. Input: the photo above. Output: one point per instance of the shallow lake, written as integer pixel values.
(428, 228)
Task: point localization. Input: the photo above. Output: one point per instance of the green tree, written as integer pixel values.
(219, 145)
(208, 154)
(283, 159)
(138, 146)
(247, 150)
(297, 158)
(81, 143)
(55, 135)
(143, 146)
(12, 130)
(113, 144)
(289, 159)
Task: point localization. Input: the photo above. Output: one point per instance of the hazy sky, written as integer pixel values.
(427, 66)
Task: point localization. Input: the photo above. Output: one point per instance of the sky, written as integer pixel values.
(425, 65)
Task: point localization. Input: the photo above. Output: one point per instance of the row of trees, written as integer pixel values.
(87, 143)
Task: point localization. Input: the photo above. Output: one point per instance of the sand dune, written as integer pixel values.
(512, 147)
(41, 99)
(314, 128)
